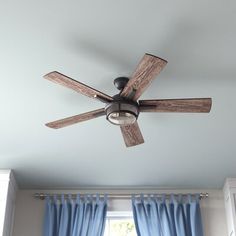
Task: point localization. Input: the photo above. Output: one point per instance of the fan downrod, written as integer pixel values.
(120, 82)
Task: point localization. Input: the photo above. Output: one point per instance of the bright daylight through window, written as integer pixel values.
(120, 224)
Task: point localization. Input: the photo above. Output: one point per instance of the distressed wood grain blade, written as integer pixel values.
(76, 119)
(132, 134)
(79, 87)
(148, 68)
(194, 105)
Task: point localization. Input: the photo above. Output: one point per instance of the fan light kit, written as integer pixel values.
(123, 109)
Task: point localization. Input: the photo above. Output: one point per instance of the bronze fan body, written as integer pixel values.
(123, 109)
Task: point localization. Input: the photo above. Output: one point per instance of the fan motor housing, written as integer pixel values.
(120, 82)
(120, 105)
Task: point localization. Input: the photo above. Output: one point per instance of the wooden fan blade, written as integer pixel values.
(76, 119)
(132, 134)
(148, 68)
(68, 82)
(198, 105)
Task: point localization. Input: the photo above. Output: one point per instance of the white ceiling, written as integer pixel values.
(94, 42)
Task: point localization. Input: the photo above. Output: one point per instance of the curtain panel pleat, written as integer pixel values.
(177, 216)
(85, 216)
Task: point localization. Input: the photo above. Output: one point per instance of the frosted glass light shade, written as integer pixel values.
(121, 118)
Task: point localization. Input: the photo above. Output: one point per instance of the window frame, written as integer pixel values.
(117, 215)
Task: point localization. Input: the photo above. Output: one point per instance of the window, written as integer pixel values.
(120, 224)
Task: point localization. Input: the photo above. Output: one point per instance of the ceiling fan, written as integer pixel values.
(123, 109)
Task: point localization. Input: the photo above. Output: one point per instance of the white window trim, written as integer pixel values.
(119, 214)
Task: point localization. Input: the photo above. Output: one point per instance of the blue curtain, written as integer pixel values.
(177, 216)
(85, 216)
